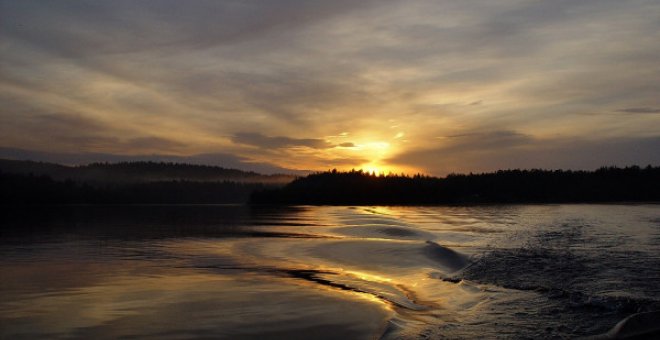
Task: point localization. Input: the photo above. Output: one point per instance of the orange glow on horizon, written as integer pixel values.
(382, 169)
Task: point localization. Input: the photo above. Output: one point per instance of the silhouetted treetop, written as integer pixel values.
(18, 189)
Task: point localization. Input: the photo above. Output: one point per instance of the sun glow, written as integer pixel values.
(372, 169)
(377, 169)
(372, 154)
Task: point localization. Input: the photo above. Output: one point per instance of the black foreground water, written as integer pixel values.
(537, 271)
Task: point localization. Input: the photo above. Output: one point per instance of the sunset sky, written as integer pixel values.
(428, 86)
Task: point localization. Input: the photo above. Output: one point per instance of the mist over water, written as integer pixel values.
(524, 271)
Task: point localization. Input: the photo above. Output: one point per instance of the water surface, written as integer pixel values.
(537, 271)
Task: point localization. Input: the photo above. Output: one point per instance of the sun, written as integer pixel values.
(375, 155)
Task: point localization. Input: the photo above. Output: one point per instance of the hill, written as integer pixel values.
(29, 183)
(137, 172)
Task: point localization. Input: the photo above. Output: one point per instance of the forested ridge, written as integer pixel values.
(28, 182)
(137, 172)
(607, 184)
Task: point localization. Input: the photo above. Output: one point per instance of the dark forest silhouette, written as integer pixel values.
(27, 182)
(30, 189)
(608, 184)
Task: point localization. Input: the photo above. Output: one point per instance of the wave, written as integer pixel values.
(636, 326)
(394, 295)
(445, 256)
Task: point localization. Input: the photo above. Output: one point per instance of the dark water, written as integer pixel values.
(544, 271)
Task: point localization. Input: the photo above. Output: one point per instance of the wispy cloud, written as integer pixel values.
(489, 152)
(640, 110)
(266, 142)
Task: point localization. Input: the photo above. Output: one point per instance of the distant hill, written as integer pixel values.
(632, 184)
(36, 183)
(138, 172)
(219, 159)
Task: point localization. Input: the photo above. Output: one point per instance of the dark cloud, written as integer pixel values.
(266, 142)
(479, 141)
(65, 122)
(63, 129)
(95, 28)
(85, 141)
(280, 142)
(289, 95)
(158, 143)
(76, 131)
(131, 41)
(640, 110)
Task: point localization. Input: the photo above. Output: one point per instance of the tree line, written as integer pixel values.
(607, 184)
(22, 189)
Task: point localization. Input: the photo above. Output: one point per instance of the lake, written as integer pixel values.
(238, 272)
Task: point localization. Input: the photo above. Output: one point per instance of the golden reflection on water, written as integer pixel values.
(369, 277)
(204, 299)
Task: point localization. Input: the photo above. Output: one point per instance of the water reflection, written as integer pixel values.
(325, 272)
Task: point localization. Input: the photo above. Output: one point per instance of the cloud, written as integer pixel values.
(102, 28)
(59, 129)
(153, 143)
(168, 77)
(74, 131)
(480, 141)
(512, 150)
(640, 110)
(66, 121)
(281, 142)
(266, 142)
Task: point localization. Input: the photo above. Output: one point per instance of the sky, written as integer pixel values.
(404, 86)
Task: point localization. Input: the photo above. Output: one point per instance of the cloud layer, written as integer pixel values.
(321, 84)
